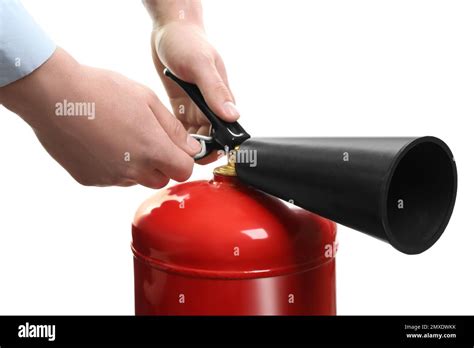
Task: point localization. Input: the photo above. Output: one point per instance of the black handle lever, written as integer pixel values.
(225, 133)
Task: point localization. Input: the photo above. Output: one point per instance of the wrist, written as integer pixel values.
(164, 12)
(33, 97)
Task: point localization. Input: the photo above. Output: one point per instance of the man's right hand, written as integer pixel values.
(103, 128)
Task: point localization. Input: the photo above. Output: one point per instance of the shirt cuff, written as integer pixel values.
(24, 46)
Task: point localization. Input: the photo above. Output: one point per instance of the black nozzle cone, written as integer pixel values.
(400, 190)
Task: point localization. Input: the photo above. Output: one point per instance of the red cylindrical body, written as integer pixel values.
(221, 248)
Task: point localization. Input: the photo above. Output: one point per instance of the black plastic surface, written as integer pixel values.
(400, 190)
(225, 133)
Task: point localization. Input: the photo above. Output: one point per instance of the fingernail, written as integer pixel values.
(193, 144)
(231, 110)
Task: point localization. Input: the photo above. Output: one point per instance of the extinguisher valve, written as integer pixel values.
(224, 135)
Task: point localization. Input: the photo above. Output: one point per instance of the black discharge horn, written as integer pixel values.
(399, 190)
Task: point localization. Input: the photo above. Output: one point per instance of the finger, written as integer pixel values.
(203, 130)
(173, 128)
(127, 183)
(170, 159)
(215, 90)
(223, 72)
(153, 179)
(193, 129)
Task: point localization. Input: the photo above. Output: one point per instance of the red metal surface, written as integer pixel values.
(220, 248)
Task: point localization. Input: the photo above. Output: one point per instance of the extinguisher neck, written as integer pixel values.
(225, 173)
(219, 178)
(229, 168)
(225, 170)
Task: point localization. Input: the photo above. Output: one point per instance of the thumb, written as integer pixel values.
(215, 91)
(173, 127)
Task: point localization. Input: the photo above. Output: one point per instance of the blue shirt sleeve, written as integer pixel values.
(23, 44)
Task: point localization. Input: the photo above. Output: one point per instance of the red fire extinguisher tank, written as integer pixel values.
(219, 247)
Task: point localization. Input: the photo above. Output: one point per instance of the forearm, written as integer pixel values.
(163, 12)
(36, 94)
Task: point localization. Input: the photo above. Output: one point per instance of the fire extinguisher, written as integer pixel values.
(233, 246)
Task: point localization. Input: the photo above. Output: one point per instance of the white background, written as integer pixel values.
(314, 68)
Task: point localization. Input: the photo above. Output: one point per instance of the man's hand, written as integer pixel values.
(179, 43)
(130, 137)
